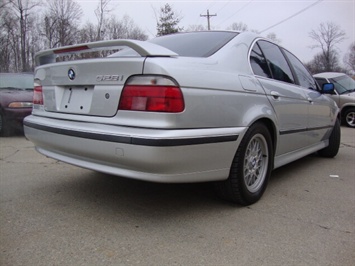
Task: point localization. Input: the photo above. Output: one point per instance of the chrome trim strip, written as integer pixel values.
(135, 140)
(285, 132)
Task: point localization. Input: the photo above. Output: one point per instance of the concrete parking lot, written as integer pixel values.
(53, 213)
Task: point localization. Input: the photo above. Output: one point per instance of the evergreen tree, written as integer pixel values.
(168, 21)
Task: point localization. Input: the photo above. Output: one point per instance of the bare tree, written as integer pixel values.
(35, 41)
(25, 30)
(349, 58)
(22, 9)
(272, 36)
(88, 33)
(124, 29)
(61, 22)
(196, 27)
(3, 4)
(238, 26)
(100, 11)
(9, 41)
(327, 37)
(114, 29)
(318, 64)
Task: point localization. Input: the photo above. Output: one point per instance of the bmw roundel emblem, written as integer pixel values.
(71, 74)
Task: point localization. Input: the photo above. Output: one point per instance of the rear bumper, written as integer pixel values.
(183, 155)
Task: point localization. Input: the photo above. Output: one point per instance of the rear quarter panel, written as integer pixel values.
(219, 91)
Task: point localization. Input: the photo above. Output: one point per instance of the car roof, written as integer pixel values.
(16, 75)
(328, 75)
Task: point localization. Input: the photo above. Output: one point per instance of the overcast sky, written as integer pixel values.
(295, 18)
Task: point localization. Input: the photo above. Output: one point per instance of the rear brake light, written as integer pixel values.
(71, 49)
(152, 94)
(37, 93)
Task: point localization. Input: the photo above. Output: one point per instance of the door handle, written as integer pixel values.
(310, 100)
(275, 95)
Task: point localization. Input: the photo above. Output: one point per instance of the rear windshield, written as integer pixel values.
(195, 44)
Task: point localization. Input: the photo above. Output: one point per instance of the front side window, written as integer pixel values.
(279, 67)
(258, 62)
(305, 79)
(321, 81)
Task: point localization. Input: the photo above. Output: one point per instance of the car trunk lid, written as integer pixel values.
(94, 88)
(91, 86)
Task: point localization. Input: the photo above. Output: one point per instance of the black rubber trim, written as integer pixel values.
(133, 140)
(303, 130)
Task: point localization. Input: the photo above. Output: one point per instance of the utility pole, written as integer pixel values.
(208, 18)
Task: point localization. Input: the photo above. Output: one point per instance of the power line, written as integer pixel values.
(211, 4)
(297, 13)
(236, 12)
(223, 6)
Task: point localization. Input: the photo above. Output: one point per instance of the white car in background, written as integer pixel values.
(344, 94)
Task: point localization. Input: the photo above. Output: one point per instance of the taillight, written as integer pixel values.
(152, 94)
(37, 93)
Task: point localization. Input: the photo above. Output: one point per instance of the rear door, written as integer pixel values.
(288, 100)
(320, 108)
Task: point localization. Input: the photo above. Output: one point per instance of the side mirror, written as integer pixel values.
(328, 88)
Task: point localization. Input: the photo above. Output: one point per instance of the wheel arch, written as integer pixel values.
(345, 108)
(235, 188)
(348, 109)
(272, 129)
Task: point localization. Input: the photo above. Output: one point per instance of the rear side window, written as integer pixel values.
(280, 69)
(305, 79)
(258, 62)
(195, 44)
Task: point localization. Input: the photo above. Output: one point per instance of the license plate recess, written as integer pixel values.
(77, 99)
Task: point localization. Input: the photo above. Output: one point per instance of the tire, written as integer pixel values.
(334, 142)
(4, 129)
(349, 117)
(251, 168)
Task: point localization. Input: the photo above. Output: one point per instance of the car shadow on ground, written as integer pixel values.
(109, 190)
(15, 132)
(114, 195)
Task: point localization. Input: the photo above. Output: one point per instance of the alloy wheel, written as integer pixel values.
(256, 163)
